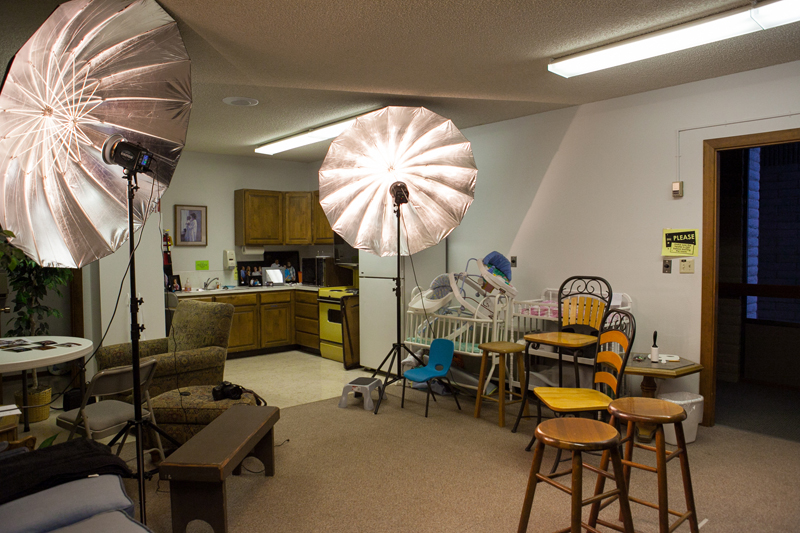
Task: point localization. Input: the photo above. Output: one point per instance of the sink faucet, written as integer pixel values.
(207, 284)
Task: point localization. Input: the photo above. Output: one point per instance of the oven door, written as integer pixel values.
(330, 329)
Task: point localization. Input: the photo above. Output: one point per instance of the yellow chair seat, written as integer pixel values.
(569, 400)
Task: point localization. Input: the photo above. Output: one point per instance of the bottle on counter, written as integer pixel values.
(188, 285)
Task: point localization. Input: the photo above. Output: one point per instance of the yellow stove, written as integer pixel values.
(330, 321)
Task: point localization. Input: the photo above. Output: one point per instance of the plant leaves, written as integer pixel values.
(49, 441)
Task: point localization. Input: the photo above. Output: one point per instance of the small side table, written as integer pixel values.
(649, 372)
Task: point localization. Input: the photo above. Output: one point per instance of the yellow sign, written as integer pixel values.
(201, 265)
(679, 242)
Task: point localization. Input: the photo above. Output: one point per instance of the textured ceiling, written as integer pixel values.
(312, 62)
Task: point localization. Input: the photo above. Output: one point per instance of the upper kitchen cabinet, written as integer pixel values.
(322, 232)
(297, 209)
(258, 217)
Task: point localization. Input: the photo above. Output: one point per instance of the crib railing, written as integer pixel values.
(466, 332)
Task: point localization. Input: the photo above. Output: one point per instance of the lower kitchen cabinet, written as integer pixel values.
(277, 319)
(306, 319)
(271, 319)
(244, 324)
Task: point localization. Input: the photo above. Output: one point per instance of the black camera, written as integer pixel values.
(227, 390)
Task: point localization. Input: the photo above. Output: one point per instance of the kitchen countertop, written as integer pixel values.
(246, 290)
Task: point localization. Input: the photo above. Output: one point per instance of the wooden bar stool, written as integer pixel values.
(501, 349)
(658, 412)
(578, 435)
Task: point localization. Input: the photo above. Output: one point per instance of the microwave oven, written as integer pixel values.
(324, 272)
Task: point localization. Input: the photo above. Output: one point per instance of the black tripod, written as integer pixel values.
(136, 330)
(399, 192)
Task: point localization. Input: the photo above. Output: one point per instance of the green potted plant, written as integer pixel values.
(31, 283)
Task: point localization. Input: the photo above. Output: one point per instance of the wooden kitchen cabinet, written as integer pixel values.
(244, 324)
(306, 319)
(276, 315)
(321, 228)
(297, 218)
(258, 217)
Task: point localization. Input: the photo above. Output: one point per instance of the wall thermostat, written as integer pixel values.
(677, 189)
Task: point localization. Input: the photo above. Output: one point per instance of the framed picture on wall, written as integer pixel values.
(191, 225)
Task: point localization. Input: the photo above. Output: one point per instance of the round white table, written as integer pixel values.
(11, 361)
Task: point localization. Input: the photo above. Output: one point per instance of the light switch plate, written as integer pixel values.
(687, 266)
(513, 260)
(666, 268)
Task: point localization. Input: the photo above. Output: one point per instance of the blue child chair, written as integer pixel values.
(439, 360)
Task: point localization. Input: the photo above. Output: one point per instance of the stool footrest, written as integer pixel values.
(680, 521)
(600, 497)
(640, 466)
(610, 525)
(583, 525)
(654, 506)
(556, 484)
(598, 471)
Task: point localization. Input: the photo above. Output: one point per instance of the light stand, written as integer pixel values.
(133, 158)
(399, 192)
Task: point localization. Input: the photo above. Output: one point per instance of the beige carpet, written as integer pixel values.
(347, 470)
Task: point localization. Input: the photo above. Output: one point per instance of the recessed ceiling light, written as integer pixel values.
(240, 101)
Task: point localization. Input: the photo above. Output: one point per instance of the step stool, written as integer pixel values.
(363, 386)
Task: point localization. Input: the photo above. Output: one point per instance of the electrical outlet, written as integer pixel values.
(667, 266)
(513, 260)
(687, 266)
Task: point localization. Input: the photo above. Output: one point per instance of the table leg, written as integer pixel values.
(501, 360)
(527, 357)
(264, 451)
(645, 432)
(195, 500)
(26, 426)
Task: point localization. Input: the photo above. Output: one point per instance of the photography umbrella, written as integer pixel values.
(95, 68)
(393, 157)
(101, 83)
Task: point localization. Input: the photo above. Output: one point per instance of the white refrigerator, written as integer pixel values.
(377, 304)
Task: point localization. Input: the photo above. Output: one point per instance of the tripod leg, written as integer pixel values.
(427, 399)
(455, 393)
(403, 396)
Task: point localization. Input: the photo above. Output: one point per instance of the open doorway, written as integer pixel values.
(750, 286)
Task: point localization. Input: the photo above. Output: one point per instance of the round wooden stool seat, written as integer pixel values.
(650, 410)
(579, 435)
(502, 347)
(582, 434)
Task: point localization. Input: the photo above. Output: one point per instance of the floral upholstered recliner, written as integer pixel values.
(193, 354)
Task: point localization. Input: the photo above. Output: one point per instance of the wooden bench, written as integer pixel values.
(198, 469)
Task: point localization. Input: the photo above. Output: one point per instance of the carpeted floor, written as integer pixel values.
(347, 470)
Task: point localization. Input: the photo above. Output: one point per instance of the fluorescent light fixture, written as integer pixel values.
(708, 30)
(303, 139)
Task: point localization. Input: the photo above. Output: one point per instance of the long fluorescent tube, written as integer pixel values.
(310, 137)
(723, 26)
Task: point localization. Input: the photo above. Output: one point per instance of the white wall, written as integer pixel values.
(209, 180)
(586, 190)
(200, 179)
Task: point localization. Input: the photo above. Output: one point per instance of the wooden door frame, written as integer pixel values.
(708, 315)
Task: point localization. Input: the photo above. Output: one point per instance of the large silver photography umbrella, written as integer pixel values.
(95, 68)
(393, 158)
(93, 119)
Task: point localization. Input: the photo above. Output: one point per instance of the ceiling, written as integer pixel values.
(312, 62)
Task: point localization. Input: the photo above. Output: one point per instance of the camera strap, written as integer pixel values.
(259, 400)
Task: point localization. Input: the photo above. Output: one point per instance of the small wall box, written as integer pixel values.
(229, 259)
(677, 189)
